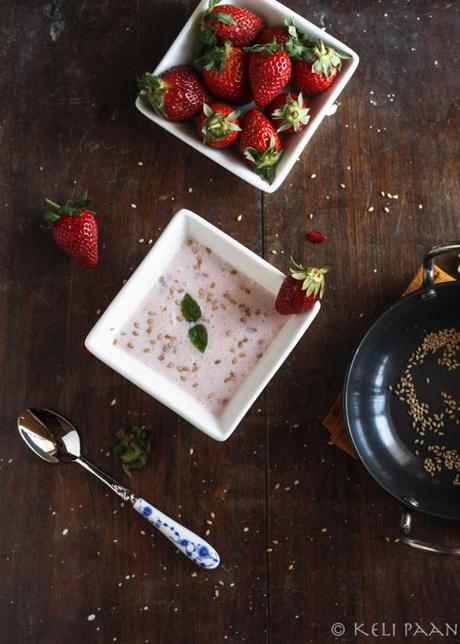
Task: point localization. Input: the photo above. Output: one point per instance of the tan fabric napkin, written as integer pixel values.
(334, 422)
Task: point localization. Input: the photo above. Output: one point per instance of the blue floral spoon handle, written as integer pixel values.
(189, 543)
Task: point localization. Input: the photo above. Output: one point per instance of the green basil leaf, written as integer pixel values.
(199, 337)
(190, 309)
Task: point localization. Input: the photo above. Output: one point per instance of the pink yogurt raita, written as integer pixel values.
(239, 316)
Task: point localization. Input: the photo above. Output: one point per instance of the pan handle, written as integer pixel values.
(406, 522)
(428, 260)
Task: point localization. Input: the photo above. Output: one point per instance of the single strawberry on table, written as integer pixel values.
(260, 144)
(317, 68)
(74, 229)
(289, 113)
(177, 94)
(301, 290)
(270, 70)
(229, 22)
(219, 125)
(224, 70)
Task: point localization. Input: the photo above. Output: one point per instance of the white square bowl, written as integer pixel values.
(185, 225)
(184, 50)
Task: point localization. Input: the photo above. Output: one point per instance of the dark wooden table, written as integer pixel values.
(67, 122)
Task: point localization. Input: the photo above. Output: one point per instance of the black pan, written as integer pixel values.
(378, 423)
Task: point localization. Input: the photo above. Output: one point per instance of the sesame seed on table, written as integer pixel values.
(306, 538)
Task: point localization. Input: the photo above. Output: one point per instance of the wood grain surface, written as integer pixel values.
(68, 74)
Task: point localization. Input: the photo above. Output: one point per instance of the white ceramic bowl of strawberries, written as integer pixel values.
(207, 104)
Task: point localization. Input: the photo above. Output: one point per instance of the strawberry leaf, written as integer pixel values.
(223, 18)
(214, 60)
(264, 162)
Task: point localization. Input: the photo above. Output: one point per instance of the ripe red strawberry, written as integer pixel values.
(300, 290)
(74, 229)
(260, 144)
(177, 94)
(229, 22)
(270, 69)
(289, 113)
(219, 125)
(276, 34)
(225, 73)
(317, 69)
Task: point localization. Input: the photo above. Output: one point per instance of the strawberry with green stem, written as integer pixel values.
(301, 289)
(177, 94)
(270, 70)
(229, 22)
(288, 36)
(219, 125)
(289, 113)
(224, 70)
(74, 229)
(260, 145)
(316, 68)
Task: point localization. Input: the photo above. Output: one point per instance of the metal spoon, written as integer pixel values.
(56, 440)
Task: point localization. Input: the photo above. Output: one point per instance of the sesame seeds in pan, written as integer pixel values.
(427, 423)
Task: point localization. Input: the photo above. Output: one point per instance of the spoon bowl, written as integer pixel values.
(49, 435)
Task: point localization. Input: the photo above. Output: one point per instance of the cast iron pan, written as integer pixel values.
(378, 423)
